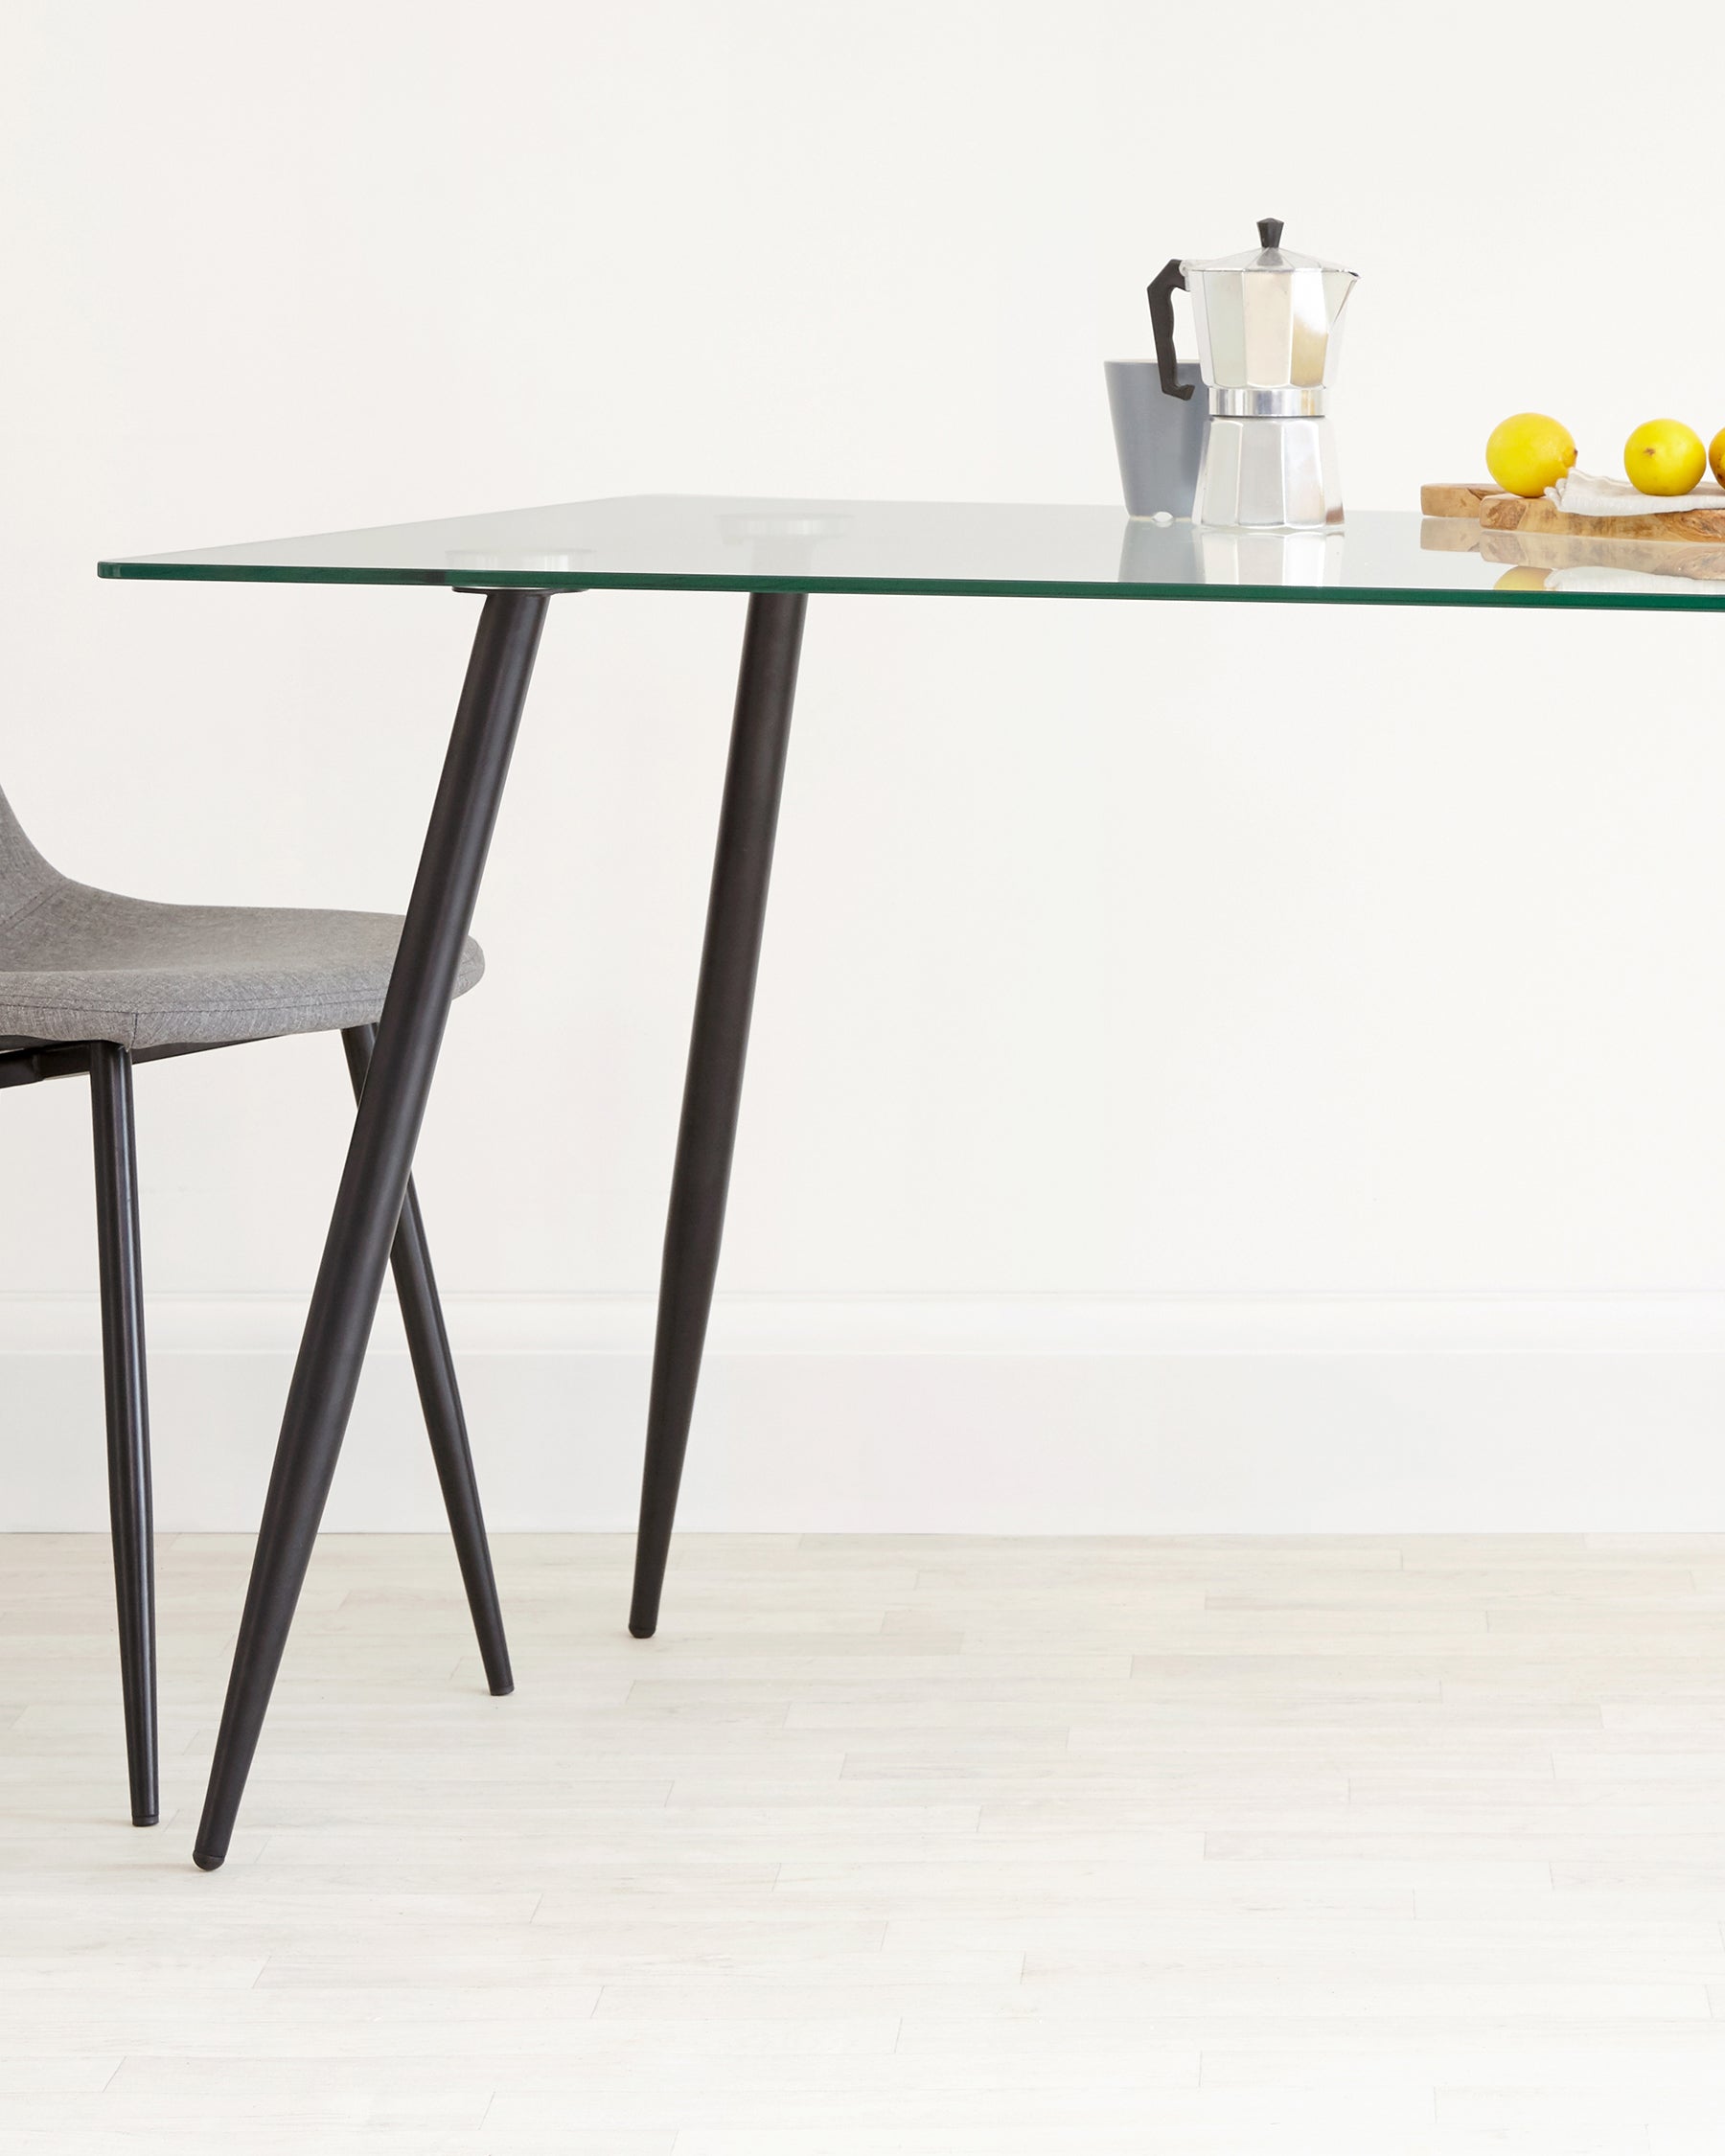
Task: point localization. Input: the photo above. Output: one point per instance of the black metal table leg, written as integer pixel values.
(122, 1365)
(713, 1089)
(374, 1182)
(440, 1396)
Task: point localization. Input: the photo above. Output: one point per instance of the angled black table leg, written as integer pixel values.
(373, 1183)
(440, 1396)
(713, 1089)
(122, 1364)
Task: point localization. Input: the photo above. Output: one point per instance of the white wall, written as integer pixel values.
(1212, 1067)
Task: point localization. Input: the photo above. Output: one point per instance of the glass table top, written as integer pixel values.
(670, 542)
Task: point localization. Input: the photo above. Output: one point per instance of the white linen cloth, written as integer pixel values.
(1584, 495)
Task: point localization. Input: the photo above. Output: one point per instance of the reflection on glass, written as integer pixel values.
(468, 563)
(782, 545)
(1449, 535)
(1159, 553)
(1188, 553)
(1570, 561)
(1270, 557)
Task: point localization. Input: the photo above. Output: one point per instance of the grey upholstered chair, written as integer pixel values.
(92, 983)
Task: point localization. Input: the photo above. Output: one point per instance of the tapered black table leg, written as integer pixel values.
(713, 1089)
(440, 1396)
(373, 1183)
(122, 1363)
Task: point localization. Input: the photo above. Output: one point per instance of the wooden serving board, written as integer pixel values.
(1498, 512)
(1508, 513)
(1460, 499)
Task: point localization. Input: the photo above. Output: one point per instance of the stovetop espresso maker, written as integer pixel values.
(1269, 329)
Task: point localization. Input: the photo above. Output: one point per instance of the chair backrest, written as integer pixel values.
(24, 875)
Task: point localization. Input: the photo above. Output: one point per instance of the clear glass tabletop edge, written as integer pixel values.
(668, 542)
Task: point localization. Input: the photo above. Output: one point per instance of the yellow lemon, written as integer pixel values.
(1715, 456)
(1664, 457)
(1529, 453)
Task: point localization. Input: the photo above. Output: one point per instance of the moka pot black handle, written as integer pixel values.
(1168, 281)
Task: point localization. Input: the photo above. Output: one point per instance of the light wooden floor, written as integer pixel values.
(922, 1847)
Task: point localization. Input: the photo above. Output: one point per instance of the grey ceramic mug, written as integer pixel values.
(1158, 438)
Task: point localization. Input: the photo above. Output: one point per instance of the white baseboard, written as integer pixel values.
(989, 1414)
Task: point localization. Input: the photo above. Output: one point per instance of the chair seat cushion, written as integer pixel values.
(87, 965)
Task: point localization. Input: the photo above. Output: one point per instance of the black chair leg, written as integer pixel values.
(127, 1411)
(435, 1370)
